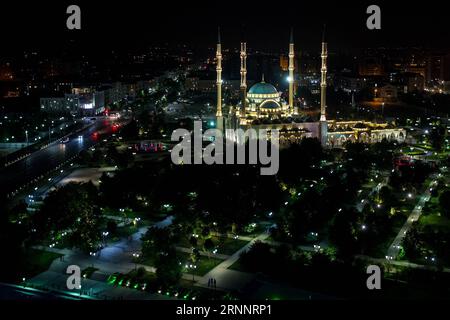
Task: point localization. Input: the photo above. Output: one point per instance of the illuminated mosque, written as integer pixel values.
(262, 107)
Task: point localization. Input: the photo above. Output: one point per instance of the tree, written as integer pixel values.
(386, 196)
(193, 241)
(157, 241)
(195, 255)
(412, 243)
(19, 210)
(343, 232)
(383, 153)
(131, 130)
(71, 208)
(437, 137)
(168, 268)
(111, 226)
(97, 157)
(208, 245)
(123, 159)
(295, 161)
(84, 157)
(444, 203)
(86, 230)
(13, 240)
(307, 213)
(112, 155)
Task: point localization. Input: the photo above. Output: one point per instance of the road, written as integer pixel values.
(43, 161)
(74, 174)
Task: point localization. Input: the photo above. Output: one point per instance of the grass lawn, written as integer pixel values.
(406, 206)
(434, 200)
(124, 232)
(227, 245)
(438, 156)
(147, 261)
(379, 251)
(423, 146)
(130, 214)
(224, 245)
(145, 281)
(369, 185)
(237, 266)
(204, 264)
(59, 243)
(135, 279)
(35, 262)
(144, 277)
(87, 273)
(414, 153)
(116, 213)
(435, 221)
(432, 206)
(260, 228)
(184, 242)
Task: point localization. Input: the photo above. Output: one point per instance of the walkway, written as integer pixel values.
(231, 279)
(394, 248)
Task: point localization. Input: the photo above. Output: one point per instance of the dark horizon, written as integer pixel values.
(265, 25)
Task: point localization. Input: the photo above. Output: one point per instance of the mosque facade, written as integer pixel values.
(262, 107)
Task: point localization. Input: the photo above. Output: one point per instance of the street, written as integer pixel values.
(47, 159)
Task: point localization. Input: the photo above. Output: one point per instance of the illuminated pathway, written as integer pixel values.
(361, 204)
(394, 248)
(231, 279)
(113, 258)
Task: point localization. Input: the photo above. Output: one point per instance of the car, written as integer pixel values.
(65, 140)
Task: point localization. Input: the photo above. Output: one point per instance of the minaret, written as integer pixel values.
(219, 82)
(323, 93)
(243, 77)
(291, 71)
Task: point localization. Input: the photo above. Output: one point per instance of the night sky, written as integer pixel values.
(132, 23)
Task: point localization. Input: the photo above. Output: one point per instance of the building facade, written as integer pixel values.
(262, 107)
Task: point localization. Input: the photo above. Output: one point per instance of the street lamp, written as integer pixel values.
(136, 256)
(105, 234)
(192, 267)
(93, 254)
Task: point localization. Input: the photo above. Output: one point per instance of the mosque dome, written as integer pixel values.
(262, 88)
